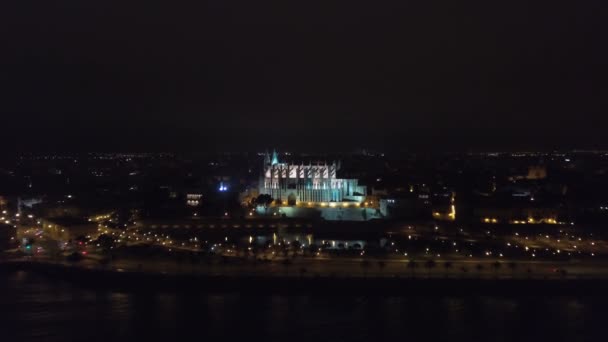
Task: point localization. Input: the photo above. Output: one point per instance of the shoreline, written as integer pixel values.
(321, 285)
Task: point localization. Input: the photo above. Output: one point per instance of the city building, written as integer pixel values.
(536, 172)
(194, 199)
(509, 211)
(311, 183)
(68, 228)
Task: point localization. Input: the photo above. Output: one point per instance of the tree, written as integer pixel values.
(364, 266)
(381, 265)
(104, 262)
(430, 264)
(254, 252)
(312, 249)
(180, 258)
(412, 265)
(264, 200)
(74, 257)
(463, 269)
(194, 258)
(296, 245)
(447, 265)
(496, 265)
(479, 268)
(512, 265)
(286, 263)
(105, 242)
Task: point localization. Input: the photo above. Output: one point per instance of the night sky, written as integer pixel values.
(303, 75)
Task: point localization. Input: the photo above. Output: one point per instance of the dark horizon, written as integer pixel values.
(213, 76)
(360, 150)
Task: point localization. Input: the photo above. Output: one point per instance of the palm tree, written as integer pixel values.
(479, 268)
(365, 265)
(179, 258)
(464, 269)
(295, 245)
(512, 265)
(412, 265)
(312, 249)
(496, 265)
(104, 262)
(430, 264)
(447, 265)
(381, 265)
(529, 271)
(286, 264)
(194, 258)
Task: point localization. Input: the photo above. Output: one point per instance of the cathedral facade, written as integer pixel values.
(310, 183)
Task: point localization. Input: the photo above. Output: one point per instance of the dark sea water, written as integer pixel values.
(34, 308)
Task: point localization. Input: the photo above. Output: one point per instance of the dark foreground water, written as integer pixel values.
(34, 308)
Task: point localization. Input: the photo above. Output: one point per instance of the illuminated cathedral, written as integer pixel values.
(310, 183)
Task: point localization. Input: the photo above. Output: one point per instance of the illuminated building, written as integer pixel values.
(193, 200)
(67, 228)
(448, 214)
(312, 183)
(537, 172)
(517, 215)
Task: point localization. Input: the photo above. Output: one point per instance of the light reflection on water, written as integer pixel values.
(34, 308)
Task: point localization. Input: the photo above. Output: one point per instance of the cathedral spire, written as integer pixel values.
(275, 157)
(266, 158)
